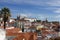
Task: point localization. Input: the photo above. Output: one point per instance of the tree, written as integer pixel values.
(5, 12)
(38, 20)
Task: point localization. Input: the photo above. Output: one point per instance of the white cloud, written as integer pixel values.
(25, 14)
(50, 3)
(34, 2)
(57, 10)
(42, 16)
(58, 16)
(54, 3)
(11, 1)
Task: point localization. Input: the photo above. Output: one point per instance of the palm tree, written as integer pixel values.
(6, 14)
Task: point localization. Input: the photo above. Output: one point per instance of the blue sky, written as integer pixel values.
(40, 9)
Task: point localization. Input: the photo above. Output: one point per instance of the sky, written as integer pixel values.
(40, 9)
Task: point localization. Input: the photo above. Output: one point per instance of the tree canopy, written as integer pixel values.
(5, 13)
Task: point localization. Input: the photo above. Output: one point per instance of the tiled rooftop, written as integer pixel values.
(11, 31)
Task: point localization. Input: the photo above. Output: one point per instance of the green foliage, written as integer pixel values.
(38, 20)
(5, 12)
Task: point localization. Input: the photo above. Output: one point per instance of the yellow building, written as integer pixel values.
(39, 27)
